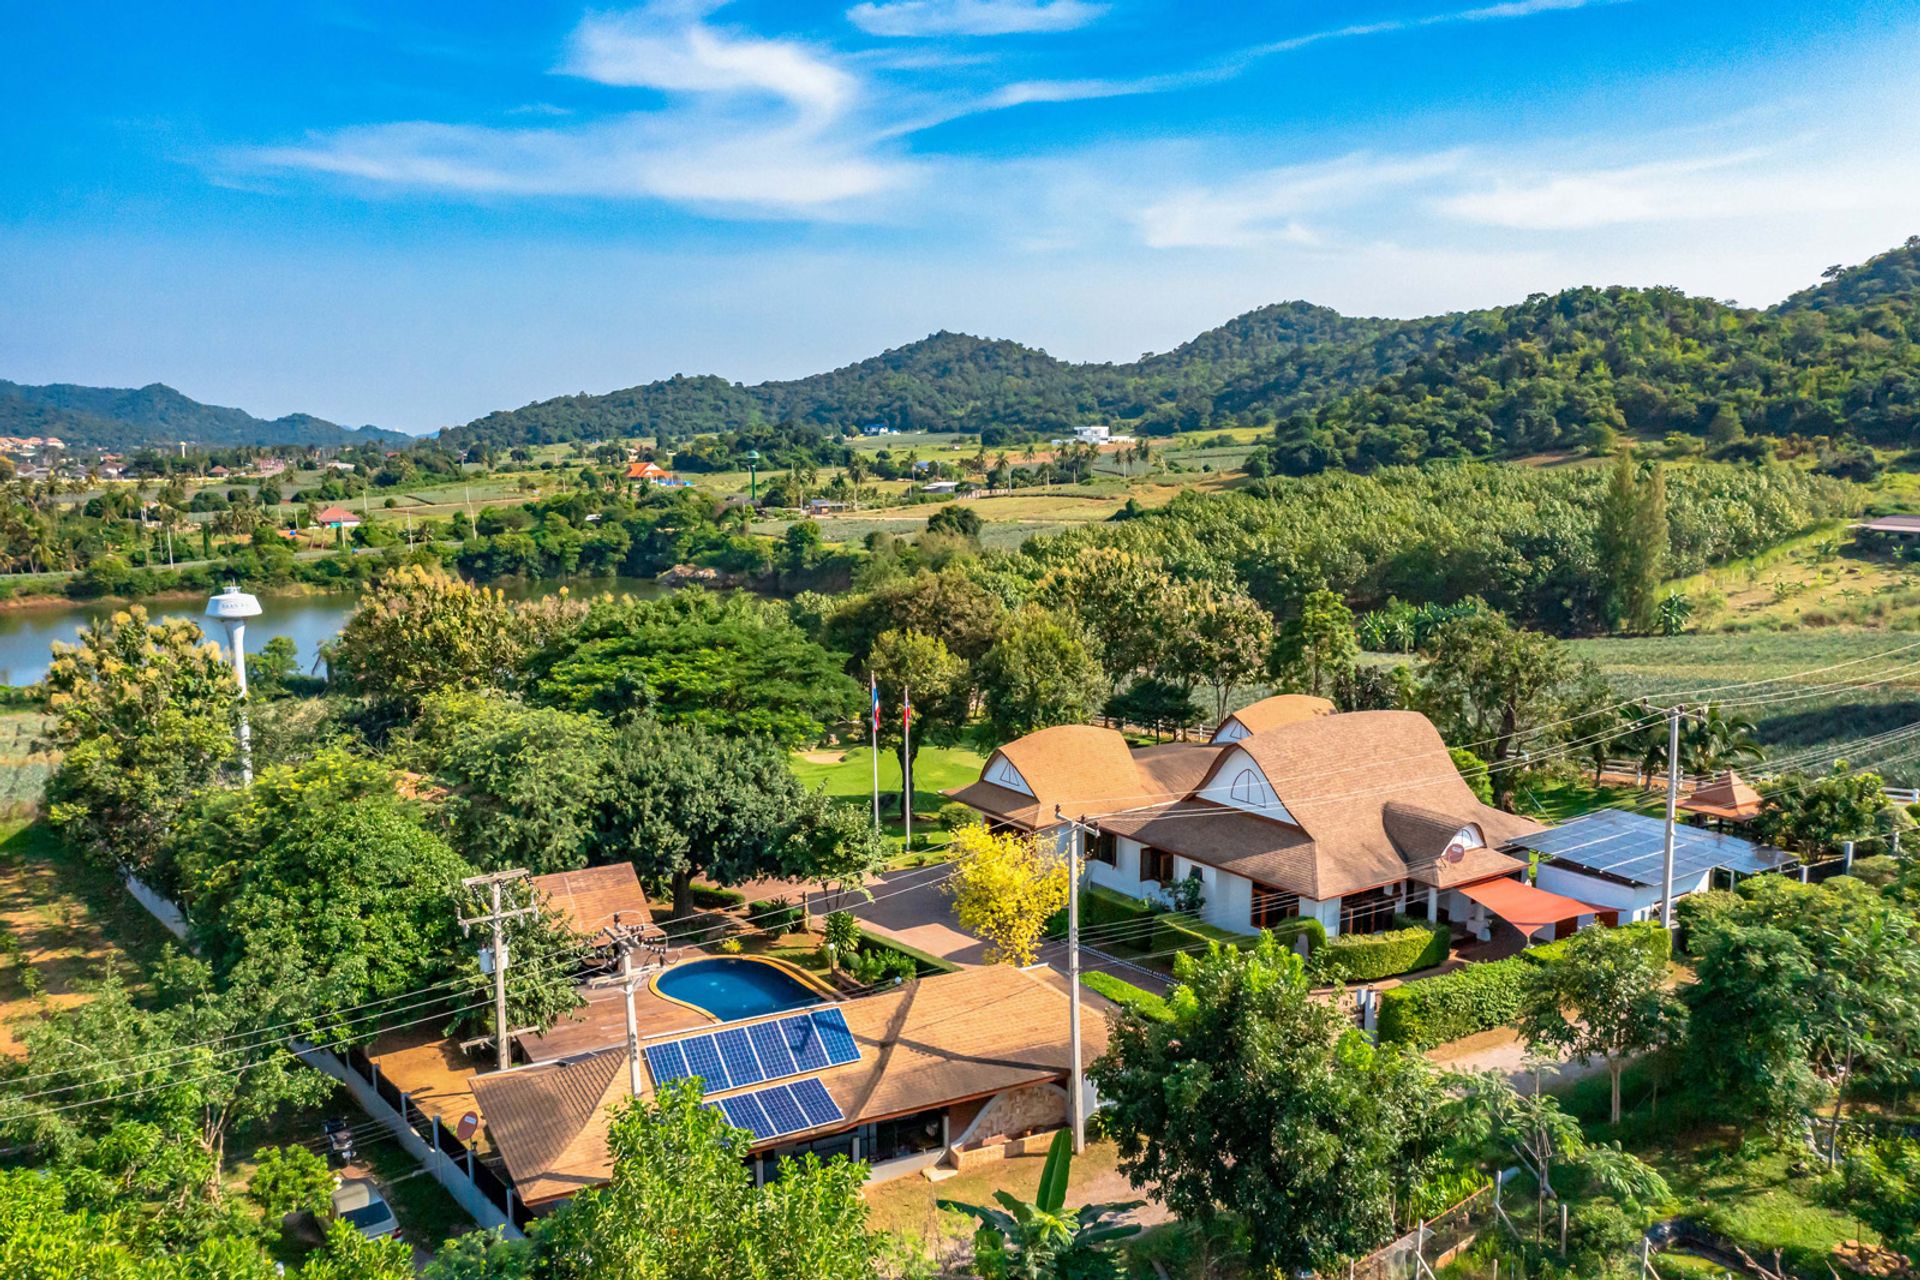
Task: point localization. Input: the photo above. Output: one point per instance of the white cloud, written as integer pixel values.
(752, 125)
(972, 17)
(1741, 184)
(1270, 207)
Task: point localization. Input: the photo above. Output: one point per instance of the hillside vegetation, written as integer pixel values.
(127, 418)
(1550, 372)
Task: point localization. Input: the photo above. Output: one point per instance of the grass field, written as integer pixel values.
(1818, 578)
(1820, 712)
(66, 923)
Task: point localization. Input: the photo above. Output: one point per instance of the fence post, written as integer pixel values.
(1846, 857)
(434, 1131)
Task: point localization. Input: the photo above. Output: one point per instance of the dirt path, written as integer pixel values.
(1502, 1050)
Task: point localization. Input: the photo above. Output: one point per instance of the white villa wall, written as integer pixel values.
(1124, 875)
(1633, 902)
(1326, 912)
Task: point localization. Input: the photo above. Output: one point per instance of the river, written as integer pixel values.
(27, 632)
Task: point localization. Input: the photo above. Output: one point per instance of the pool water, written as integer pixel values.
(730, 989)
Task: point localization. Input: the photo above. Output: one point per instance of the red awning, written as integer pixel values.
(1524, 907)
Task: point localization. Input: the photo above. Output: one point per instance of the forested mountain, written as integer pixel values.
(128, 418)
(1551, 372)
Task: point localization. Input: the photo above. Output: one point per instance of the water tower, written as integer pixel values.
(231, 609)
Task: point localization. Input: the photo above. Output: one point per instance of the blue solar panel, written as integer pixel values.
(815, 1102)
(803, 1039)
(704, 1058)
(834, 1034)
(666, 1063)
(737, 1052)
(771, 1045)
(1632, 847)
(782, 1110)
(745, 1112)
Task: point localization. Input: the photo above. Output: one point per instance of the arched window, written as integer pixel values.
(1468, 837)
(1250, 788)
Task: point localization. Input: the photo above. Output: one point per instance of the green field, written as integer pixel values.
(1825, 709)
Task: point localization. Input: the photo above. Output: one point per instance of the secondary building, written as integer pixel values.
(937, 1069)
(1617, 860)
(1289, 811)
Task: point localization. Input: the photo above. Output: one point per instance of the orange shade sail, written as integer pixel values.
(1524, 907)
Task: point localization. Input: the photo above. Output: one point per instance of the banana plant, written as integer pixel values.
(1039, 1239)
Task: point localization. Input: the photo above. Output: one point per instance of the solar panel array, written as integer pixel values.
(780, 1110)
(735, 1057)
(1632, 846)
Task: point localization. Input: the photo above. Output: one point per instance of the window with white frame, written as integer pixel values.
(1250, 788)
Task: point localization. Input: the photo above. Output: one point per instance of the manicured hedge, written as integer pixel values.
(1101, 907)
(1127, 996)
(716, 899)
(927, 964)
(1648, 934)
(1286, 932)
(1433, 1011)
(1366, 957)
(1173, 933)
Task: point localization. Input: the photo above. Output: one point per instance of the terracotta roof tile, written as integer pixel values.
(588, 899)
(1282, 708)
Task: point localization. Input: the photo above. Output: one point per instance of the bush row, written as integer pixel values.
(1365, 957)
(924, 963)
(1104, 907)
(1148, 1005)
(1650, 935)
(1435, 1010)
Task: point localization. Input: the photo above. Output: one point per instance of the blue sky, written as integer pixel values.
(413, 214)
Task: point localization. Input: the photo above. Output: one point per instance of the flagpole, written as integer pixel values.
(873, 731)
(906, 761)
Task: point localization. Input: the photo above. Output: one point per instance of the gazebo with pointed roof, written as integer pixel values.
(1728, 797)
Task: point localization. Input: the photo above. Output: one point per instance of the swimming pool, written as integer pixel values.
(730, 988)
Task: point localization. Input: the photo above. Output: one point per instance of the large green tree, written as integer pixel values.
(1487, 681)
(682, 1205)
(732, 664)
(682, 801)
(1254, 1099)
(1041, 671)
(525, 782)
(1604, 997)
(1630, 544)
(916, 668)
(420, 630)
(144, 713)
(1316, 647)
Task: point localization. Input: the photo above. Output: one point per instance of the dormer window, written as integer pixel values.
(1002, 773)
(1468, 837)
(1252, 789)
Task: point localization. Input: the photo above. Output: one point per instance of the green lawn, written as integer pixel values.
(935, 769)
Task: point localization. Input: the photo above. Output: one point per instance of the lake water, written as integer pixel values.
(27, 633)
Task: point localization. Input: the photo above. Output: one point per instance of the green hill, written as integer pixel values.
(129, 418)
(1548, 373)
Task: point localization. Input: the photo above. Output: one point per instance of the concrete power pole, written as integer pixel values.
(1076, 1078)
(1673, 802)
(493, 886)
(626, 940)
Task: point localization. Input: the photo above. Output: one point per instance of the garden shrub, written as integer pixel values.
(1129, 997)
(1287, 933)
(716, 899)
(1649, 934)
(776, 915)
(1433, 1011)
(1106, 908)
(874, 965)
(923, 962)
(1173, 934)
(953, 815)
(1359, 957)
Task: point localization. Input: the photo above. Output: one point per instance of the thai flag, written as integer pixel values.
(906, 707)
(873, 689)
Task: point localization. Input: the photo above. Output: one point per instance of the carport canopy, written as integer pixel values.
(1524, 907)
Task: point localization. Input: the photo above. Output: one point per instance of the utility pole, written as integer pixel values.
(494, 885)
(1673, 802)
(1076, 1081)
(626, 940)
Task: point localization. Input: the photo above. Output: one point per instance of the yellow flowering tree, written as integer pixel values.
(1004, 887)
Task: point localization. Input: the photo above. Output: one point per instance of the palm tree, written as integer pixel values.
(1717, 741)
(1038, 1239)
